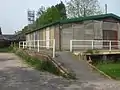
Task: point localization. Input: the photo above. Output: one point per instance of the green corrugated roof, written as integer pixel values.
(54, 23)
(95, 17)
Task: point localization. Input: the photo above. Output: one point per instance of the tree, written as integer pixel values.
(78, 8)
(50, 15)
(62, 10)
(47, 16)
(41, 10)
(0, 31)
(53, 14)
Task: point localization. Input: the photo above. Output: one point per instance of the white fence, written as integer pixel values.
(38, 44)
(94, 44)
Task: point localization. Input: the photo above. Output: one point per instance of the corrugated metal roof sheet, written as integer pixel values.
(95, 17)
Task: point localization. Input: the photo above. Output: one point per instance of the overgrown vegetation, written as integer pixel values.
(43, 65)
(40, 64)
(92, 51)
(5, 49)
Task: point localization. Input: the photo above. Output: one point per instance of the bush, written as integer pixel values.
(89, 51)
(96, 51)
(92, 51)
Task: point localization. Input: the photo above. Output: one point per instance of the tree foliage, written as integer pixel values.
(78, 8)
(0, 31)
(40, 11)
(62, 10)
(51, 14)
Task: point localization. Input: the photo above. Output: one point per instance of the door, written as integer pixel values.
(110, 35)
(66, 36)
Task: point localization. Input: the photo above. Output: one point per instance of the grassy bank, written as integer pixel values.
(113, 70)
(5, 49)
(40, 63)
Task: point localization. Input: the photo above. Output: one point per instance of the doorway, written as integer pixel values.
(110, 35)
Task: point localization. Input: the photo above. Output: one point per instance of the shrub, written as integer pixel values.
(96, 51)
(90, 51)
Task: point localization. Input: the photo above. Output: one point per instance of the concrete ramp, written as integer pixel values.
(82, 70)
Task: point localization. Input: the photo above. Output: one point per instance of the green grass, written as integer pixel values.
(112, 70)
(5, 49)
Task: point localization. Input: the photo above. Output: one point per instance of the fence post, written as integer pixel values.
(70, 45)
(118, 45)
(26, 44)
(34, 43)
(23, 45)
(110, 44)
(19, 44)
(29, 45)
(54, 48)
(92, 44)
(38, 45)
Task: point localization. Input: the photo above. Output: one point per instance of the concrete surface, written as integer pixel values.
(79, 67)
(16, 75)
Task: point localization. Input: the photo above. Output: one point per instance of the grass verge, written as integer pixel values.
(113, 70)
(40, 63)
(5, 49)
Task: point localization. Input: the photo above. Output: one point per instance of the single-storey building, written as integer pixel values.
(98, 27)
(7, 39)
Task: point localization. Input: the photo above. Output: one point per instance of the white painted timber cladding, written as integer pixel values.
(89, 28)
(67, 35)
(118, 34)
(47, 38)
(98, 32)
(110, 26)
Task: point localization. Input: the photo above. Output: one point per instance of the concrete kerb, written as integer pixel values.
(101, 72)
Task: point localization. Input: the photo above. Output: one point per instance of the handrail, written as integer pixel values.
(37, 44)
(94, 43)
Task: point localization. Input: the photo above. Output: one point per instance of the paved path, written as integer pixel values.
(15, 75)
(82, 70)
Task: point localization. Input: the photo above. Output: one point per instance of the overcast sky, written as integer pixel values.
(13, 13)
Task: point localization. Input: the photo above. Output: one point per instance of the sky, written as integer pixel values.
(13, 13)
